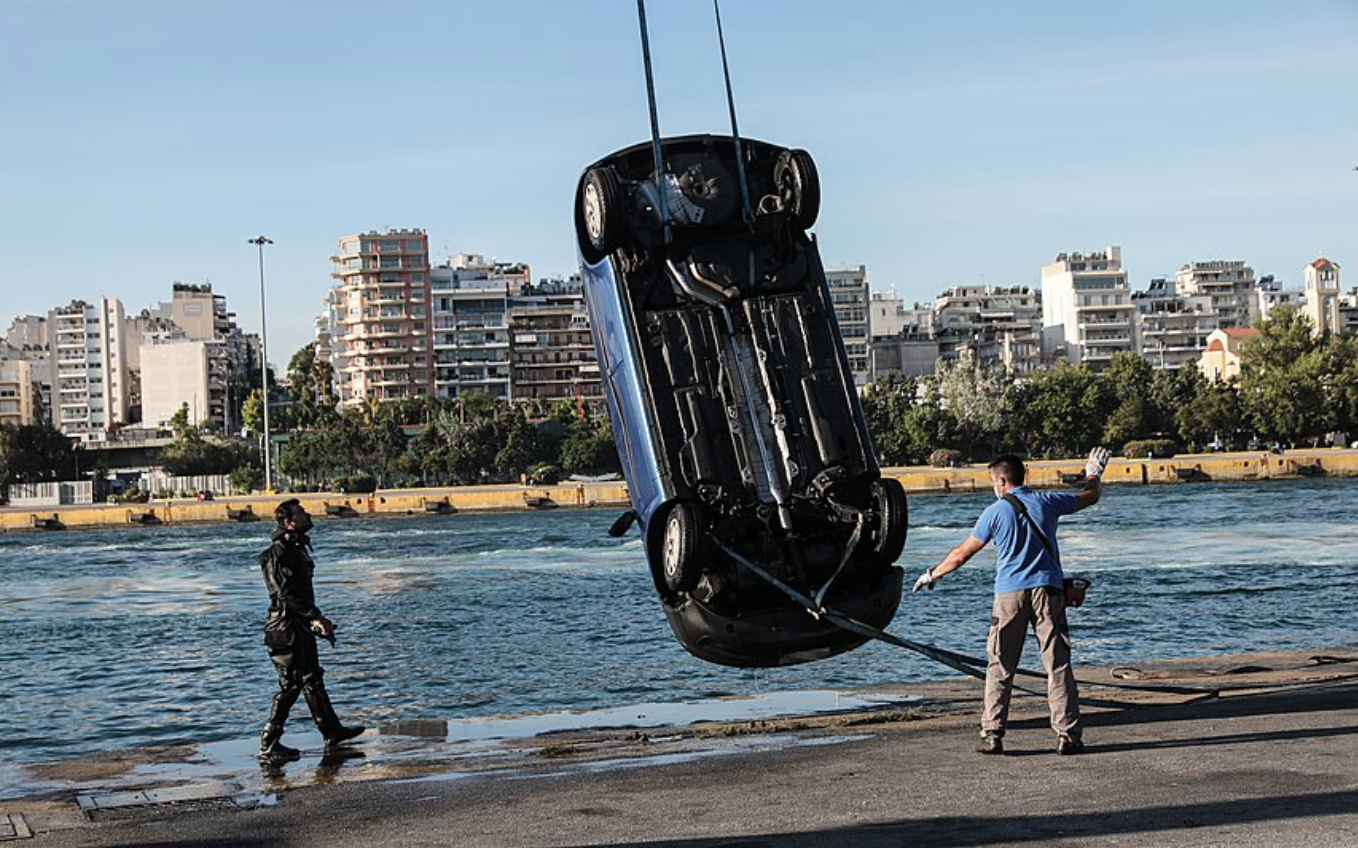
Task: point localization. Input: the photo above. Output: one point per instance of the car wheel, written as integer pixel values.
(682, 548)
(893, 520)
(599, 216)
(798, 186)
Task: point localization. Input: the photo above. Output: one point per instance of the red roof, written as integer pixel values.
(1240, 332)
(1321, 263)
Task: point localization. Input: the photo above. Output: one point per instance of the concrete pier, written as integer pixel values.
(918, 479)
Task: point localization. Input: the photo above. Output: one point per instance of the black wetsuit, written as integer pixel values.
(287, 568)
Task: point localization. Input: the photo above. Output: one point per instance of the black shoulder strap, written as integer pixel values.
(1012, 499)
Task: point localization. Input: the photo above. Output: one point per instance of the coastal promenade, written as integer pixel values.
(1180, 469)
(1268, 763)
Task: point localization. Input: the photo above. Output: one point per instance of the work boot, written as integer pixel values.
(1067, 745)
(990, 743)
(271, 747)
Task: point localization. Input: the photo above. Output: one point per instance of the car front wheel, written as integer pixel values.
(600, 214)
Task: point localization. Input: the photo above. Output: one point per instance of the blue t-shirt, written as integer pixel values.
(1022, 560)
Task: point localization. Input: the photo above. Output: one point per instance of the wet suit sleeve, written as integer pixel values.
(290, 584)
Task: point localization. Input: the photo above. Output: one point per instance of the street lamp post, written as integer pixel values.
(260, 241)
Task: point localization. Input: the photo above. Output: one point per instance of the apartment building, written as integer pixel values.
(1173, 330)
(382, 338)
(17, 397)
(1271, 294)
(889, 317)
(1087, 312)
(1321, 282)
(89, 368)
(1229, 286)
(849, 296)
(1348, 312)
(28, 339)
(471, 300)
(999, 325)
(551, 350)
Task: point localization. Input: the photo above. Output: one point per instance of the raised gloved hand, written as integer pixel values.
(925, 581)
(1098, 461)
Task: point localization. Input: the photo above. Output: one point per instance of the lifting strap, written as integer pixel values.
(971, 666)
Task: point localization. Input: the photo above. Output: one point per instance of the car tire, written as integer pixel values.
(798, 185)
(682, 549)
(893, 520)
(599, 215)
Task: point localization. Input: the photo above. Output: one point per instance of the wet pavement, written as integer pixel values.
(1268, 762)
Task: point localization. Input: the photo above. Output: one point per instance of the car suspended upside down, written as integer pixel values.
(741, 436)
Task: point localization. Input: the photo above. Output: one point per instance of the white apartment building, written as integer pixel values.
(471, 298)
(179, 372)
(88, 368)
(16, 393)
(1229, 286)
(1000, 325)
(1348, 312)
(889, 317)
(1087, 313)
(1271, 295)
(1321, 280)
(382, 335)
(1173, 330)
(551, 350)
(849, 296)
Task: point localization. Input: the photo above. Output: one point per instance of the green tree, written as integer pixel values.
(312, 387)
(33, 452)
(975, 397)
(1282, 379)
(886, 403)
(588, 449)
(1062, 412)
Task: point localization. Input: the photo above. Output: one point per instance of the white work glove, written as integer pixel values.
(925, 581)
(1098, 460)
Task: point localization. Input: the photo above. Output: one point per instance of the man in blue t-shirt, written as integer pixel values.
(1029, 589)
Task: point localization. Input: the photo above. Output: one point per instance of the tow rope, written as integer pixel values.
(971, 666)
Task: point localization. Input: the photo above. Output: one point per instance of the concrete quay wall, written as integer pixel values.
(1180, 469)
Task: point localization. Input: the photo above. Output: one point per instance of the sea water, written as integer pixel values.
(115, 639)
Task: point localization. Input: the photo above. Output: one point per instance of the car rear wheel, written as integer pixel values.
(798, 186)
(683, 549)
(600, 213)
(893, 520)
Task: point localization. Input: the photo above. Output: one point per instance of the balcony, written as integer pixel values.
(1111, 341)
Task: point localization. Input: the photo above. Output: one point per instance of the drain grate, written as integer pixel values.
(115, 806)
(13, 826)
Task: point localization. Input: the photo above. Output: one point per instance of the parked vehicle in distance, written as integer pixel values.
(733, 405)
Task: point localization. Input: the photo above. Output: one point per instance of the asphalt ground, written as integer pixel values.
(1270, 763)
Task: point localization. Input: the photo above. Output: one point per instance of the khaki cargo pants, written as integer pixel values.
(1045, 609)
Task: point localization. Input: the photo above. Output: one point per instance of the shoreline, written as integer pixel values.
(1187, 468)
(914, 729)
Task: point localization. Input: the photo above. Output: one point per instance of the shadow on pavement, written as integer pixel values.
(960, 831)
(1319, 697)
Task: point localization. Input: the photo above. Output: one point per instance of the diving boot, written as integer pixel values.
(343, 734)
(272, 749)
(327, 722)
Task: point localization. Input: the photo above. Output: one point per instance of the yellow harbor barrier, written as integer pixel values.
(443, 501)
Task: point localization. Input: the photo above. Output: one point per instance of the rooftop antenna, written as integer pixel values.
(662, 188)
(735, 130)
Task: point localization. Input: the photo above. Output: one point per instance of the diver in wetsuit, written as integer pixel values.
(290, 634)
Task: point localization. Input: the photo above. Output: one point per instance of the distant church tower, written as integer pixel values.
(1322, 295)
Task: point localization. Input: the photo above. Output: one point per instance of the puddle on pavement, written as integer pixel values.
(443, 750)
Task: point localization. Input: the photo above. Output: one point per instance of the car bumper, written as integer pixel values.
(785, 636)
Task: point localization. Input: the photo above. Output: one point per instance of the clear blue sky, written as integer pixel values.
(145, 140)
